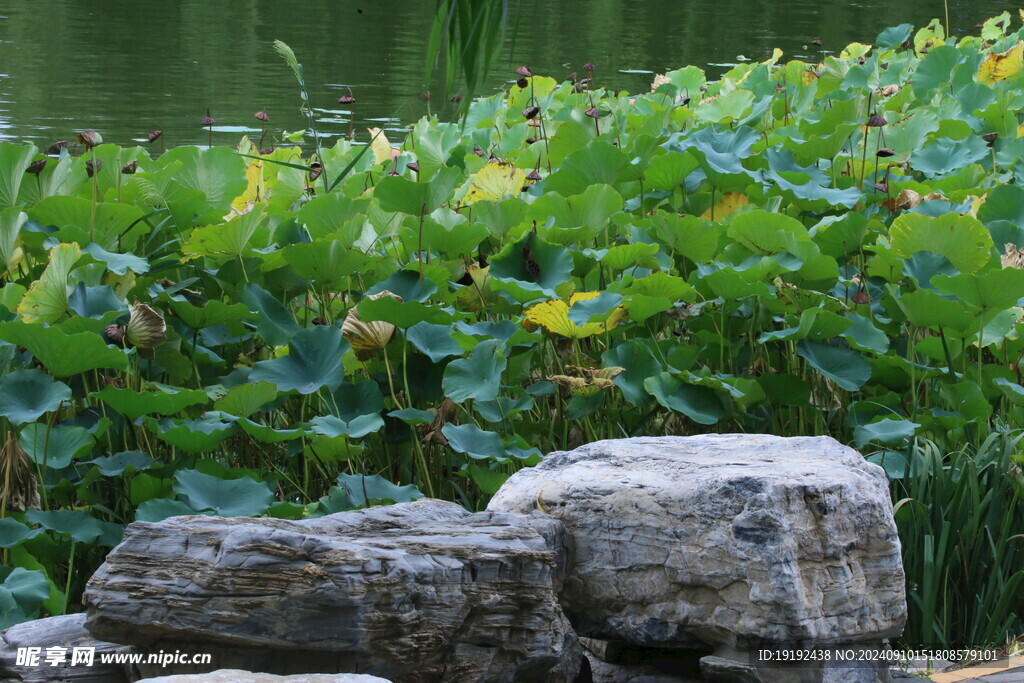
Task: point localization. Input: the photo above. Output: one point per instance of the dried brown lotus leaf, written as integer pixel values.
(146, 328)
(19, 489)
(367, 338)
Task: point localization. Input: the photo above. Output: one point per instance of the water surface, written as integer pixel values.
(125, 67)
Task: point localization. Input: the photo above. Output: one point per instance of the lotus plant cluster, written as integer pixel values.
(825, 247)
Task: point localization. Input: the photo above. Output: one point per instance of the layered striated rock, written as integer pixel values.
(721, 541)
(65, 633)
(421, 591)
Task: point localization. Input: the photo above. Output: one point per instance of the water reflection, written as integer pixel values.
(125, 67)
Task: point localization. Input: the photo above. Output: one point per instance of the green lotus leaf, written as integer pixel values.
(894, 463)
(161, 400)
(218, 173)
(78, 524)
(848, 369)
(274, 322)
(96, 302)
(720, 153)
(924, 265)
(407, 284)
(732, 286)
(596, 310)
(229, 239)
(25, 395)
(576, 218)
(478, 376)
(413, 416)
(13, 532)
(403, 314)
(82, 221)
(934, 70)
(396, 193)
(328, 264)
(946, 155)
(14, 159)
(863, 335)
(356, 428)
(700, 404)
(313, 361)
(894, 36)
(474, 442)
(968, 399)
(57, 446)
(49, 346)
(925, 308)
(837, 236)
(486, 479)
(991, 290)
(23, 593)
(886, 430)
(211, 313)
(445, 232)
(786, 389)
(245, 399)
(531, 269)
(599, 163)
(434, 340)
(265, 434)
(623, 256)
(1003, 203)
(961, 239)
(336, 500)
(500, 217)
(119, 262)
(364, 490)
(1011, 390)
(814, 324)
(691, 236)
(327, 214)
(639, 363)
(159, 509)
(668, 171)
(241, 497)
(192, 436)
(116, 465)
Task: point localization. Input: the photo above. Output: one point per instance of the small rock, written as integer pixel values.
(66, 631)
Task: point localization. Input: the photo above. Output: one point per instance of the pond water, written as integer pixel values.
(125, 67)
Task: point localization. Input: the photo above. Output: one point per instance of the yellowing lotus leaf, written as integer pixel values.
(854, 51)
(255, 191)
(368, 337)
(729, 203)
(774, 59)
(47, 299)
(380, 146)
(495, 181)
(999, 66)
(553, 317)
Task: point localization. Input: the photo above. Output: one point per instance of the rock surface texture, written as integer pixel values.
(721, 541)
(240, 676)
(421, 591)
(66, 631)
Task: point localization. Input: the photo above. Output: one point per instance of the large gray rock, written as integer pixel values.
(721, 540)
(66, 632)
(241, 676)
(421, 591)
